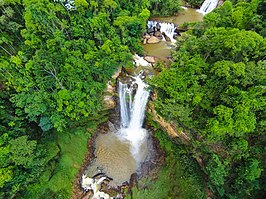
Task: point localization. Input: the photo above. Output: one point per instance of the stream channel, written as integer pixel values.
(121, 150)
(162, 50)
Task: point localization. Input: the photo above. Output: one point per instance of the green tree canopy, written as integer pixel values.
(215, 88)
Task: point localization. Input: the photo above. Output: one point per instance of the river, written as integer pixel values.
(120, 152)
(162, 50)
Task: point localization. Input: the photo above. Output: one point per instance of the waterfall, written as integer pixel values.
(167, 28)
(124, 94)
(208, 6)
(132, 116)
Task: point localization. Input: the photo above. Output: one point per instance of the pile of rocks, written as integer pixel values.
(94, 184)
(155, 34)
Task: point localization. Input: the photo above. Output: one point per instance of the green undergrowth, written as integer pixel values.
(65, 154)
(179, 178)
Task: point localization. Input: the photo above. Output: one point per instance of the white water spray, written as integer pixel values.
(208, 6)
(167, 28)
(125, 93)
(140, 61)
(132, 116)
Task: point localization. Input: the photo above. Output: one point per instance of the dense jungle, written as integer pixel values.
(57, 57)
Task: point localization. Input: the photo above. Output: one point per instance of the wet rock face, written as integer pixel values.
(153, 40)
(117, 73)
(158, 34)
(150, 30)
(133, 182)
(166, 37)
(109, 100)
(150, 59)
(94, 184)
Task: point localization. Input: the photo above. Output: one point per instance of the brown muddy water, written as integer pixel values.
(123, 149)
(186, 15)
(113, 157)
(162, 50)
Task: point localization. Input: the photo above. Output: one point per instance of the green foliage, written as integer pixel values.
(243, 15)
(11, 22)
(215, 90)
(66, 153)
(21, 161)
(22, 151)
(21, 164)
(217, 172)
(180, 177)
(54, 67)
(45, 124)
(6, 175)
(164, 8)
(62, 70)
(195, 3)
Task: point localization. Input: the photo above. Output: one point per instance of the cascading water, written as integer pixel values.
(167, 28)
(208, 6)
(124, 94)
(140, 61)
(132, 116)
(120, 152)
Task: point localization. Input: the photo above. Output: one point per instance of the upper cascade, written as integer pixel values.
(208, 6)
(167, 28)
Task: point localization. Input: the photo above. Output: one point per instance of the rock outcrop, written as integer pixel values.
(153, 40)
(117, 73)
(166, 37)
(109, 100)
(150, 59)
(94, 185)
(170, 128)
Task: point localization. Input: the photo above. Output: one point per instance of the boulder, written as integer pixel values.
(109, 102)
(158, 26)
(150, 30)
(145, 41)
(153, 40)
(166, 37)
(146, 36)
(140, 61)
(157, 34)
(150, 59)
(175, 36)
(94, 185)
(117, 73)
(133, 182)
